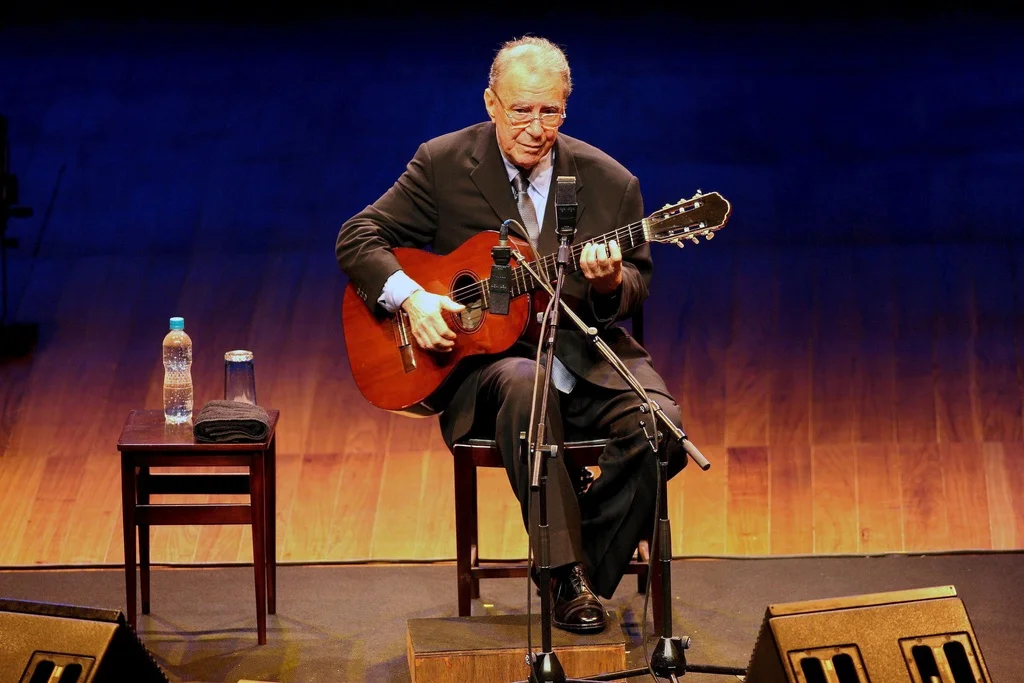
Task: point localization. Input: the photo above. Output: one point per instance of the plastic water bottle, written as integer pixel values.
(177, 374)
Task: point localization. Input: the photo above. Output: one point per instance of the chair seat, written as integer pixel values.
(473, 453)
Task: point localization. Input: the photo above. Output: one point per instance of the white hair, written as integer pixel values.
(538, 53)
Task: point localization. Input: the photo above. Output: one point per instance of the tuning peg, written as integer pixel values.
(708, 235)
(693, 238)
(698, 194)
(678, 243)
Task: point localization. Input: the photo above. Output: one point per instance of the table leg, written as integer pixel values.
(258, 507)
(128, 520)
(142, 491)
(270, 466)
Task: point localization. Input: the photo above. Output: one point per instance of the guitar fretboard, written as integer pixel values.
(522, 281)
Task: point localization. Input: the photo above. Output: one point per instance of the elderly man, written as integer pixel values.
(473, 179)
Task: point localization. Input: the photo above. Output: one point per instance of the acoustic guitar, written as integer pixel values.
(395, 374)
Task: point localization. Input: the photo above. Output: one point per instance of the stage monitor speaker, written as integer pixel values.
(921, 635)
(44, 642)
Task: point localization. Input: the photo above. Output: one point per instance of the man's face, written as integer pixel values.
(523, 91)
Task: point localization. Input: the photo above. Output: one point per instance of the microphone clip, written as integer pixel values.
(501, 274)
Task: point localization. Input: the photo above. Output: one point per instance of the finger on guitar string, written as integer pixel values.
(614, 253)
(429, 328)
(586, 259)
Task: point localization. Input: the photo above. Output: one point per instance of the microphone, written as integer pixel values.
(501, 273)
(565, 208)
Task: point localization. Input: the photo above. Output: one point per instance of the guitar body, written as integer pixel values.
(389, 367)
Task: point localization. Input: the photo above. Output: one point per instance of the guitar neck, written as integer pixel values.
(627, 237)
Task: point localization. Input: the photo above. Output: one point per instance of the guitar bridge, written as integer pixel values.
(400, 328)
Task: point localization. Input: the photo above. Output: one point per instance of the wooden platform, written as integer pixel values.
(493, 649)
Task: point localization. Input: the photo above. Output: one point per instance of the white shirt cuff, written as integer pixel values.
(396, 290)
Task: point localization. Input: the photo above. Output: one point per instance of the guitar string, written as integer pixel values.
(476, 289)
(543, 263)
(632, 230)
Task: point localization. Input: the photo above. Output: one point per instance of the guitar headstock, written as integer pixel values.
(688, 219)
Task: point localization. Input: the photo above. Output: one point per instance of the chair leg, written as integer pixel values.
(643, 555)
(474, 533)
(465, 514)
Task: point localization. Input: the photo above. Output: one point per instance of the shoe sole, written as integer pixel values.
(583, 630)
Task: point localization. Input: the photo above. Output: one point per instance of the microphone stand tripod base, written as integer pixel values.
(545, 668)
(669, 658)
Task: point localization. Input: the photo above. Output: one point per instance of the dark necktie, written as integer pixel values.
(526, 208)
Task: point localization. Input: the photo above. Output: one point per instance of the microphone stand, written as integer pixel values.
(544, 666)
(669, 658)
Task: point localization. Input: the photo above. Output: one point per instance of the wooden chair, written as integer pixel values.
(470, 567)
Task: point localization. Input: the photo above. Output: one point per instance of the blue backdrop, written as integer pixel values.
(148, 136)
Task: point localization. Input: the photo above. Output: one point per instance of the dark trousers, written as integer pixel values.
(601, 528)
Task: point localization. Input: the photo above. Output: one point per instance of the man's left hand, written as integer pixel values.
(602, 267)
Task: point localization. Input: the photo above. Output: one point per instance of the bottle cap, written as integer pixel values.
(177, 323)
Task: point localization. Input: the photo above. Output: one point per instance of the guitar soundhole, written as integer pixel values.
(467, 291)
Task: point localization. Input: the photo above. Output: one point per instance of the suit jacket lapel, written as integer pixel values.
(491, 179)
(565, 165)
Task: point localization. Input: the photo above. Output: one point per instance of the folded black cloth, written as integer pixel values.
(231, 422)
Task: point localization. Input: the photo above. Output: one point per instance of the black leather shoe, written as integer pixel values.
(575, 607)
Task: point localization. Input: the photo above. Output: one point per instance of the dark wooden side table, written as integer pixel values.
(145, 442)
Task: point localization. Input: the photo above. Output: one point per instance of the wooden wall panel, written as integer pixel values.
(792, 500)
(879, 498)
(402, 495)
(998, 385)
(747, 529)
(1016, 259)
(874, 382)
(706, 341)
(834, 469)
(435, 523)
(747, 374)
(790, 349)
(836, 336)
(955, 397)
(95, 525)
(316, 504)
(1001, 498)
(966, 505)
(915, 335)
(703, 526)
(924, 498)
(1013, 463)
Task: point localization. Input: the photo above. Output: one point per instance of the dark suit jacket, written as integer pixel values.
(455, 186)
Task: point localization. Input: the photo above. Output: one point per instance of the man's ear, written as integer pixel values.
(490, 103)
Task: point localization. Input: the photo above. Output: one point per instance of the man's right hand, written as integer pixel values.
(429, 328)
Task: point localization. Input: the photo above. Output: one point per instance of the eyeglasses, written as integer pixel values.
(523, 119)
